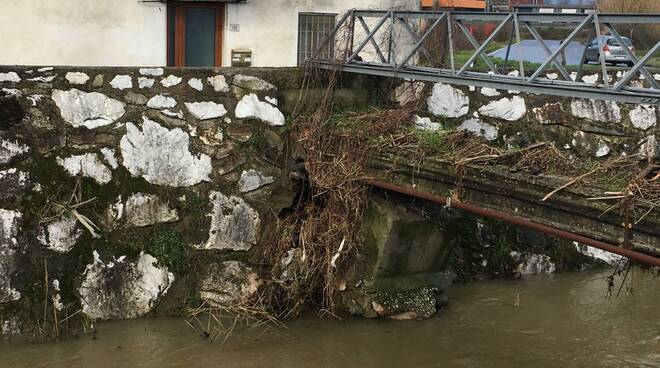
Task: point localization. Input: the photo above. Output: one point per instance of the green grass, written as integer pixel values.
(462, 56)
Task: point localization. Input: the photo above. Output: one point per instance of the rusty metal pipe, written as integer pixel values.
(628, 253)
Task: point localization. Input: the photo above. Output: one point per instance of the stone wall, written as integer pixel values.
(130, 191)
(133, 191)
(583, 127)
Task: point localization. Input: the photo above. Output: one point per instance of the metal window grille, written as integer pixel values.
(313, 28)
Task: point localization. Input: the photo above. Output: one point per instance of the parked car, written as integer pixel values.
(612, 49)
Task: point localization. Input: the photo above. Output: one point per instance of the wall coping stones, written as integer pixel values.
(152, 72)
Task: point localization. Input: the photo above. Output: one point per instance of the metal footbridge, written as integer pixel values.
(422, 45)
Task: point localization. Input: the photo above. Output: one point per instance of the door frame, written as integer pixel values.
(179, 25)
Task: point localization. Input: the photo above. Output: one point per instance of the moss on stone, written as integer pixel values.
(168, 247)
(422, 301)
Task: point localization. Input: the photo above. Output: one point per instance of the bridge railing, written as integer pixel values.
(423, 46)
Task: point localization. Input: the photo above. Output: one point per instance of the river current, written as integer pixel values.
(562, 320)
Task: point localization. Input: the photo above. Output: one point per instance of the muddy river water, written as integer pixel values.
(563, 320)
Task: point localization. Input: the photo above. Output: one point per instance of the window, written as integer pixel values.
(194, 34)
(615, 42)
(313, 28)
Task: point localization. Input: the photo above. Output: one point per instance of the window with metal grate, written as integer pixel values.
(313, 28)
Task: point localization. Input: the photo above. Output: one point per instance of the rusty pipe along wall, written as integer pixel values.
(628, 253)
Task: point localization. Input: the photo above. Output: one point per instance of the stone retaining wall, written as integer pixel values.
(579, 126)
(129, 191)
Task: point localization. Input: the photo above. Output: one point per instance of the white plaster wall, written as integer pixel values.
(82, 32)
(270, 28)
(133, 33)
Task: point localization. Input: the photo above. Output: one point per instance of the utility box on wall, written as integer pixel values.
(241, 57)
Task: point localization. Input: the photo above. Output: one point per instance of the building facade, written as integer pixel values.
(259, 33)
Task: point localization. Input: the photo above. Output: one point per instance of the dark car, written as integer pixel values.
(612, 49)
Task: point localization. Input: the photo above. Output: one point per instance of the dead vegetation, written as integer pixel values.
(319, 239)
(217, 323)
(643, 35)
(317, 242)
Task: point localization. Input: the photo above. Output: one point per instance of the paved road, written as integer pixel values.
(533, 52)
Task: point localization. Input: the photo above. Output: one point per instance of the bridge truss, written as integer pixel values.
(373, 46)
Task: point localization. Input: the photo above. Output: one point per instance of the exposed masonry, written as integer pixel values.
(9, 245)
(249, 107)
(252, 83)
(424, 123)
(109, 157)
(146, 82)
(90, 110)
(10, 77)
(88, 165)
(10, 149)
(153, 72)
(601, 111)
(447, 101)
(114, 129)
(507, 109)
(165, 129)
(479, 128)
(206, 110)
(166, 142)
(234, 224)
(532, 264)
(122, 82)
(76, 77)
(123, 288)
(219, 83)
(143, 209)
(196, 83)
(161, 102)
(170, 81)
(60, 235)
(161, 156)
(228, 283)
(252, 180)
(588, 127)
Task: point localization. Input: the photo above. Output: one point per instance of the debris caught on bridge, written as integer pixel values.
(316, 245)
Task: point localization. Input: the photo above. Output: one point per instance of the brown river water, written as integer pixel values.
(563, 320)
